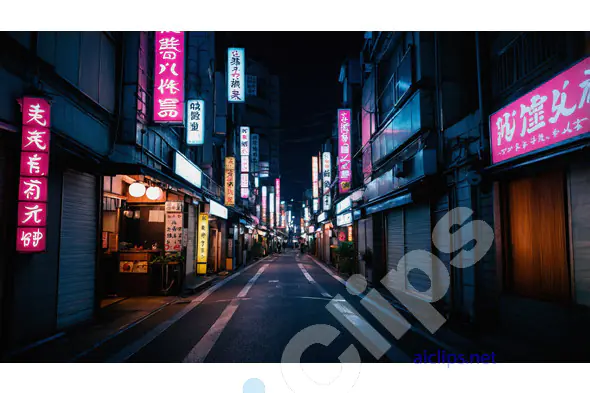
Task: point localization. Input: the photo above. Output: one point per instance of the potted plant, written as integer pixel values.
(169, 275)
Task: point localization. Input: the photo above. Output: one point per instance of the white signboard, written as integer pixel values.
(344, 219)
(217, 209)
(195, 120)
(245, 164)
(236, 70)
(244, 180)
(244, 141)
(343, 205)
(187, 170)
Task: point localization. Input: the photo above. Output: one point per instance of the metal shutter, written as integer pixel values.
(395, 238)
(418, 237)
(77, 254)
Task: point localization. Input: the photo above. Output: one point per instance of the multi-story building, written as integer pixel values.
(443, 128)
(109, 141)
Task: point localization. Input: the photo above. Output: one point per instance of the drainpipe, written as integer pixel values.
(479, 95)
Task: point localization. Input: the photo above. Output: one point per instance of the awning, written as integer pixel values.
(390, 203)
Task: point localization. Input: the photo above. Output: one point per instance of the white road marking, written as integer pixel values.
(206, 343)
(362, 330)
(150, 336)
(245, 290)
(330, 272)
(311, 280)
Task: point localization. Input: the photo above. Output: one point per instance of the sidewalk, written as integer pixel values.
(529, 331)
(110, 321)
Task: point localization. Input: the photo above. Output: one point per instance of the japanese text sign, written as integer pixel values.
(556, 111)
(278, 200)
(169, 77)
(195, 120)
(326, 180)
(271, 202)
(34, 169)
(173, 232)
(344, 151)
(244, 141)
(314, 176)
(254, 151)
(264, 196)
(230, 182)
(235, 75)
(203, 241)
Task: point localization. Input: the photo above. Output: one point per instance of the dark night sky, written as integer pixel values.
(308, 65)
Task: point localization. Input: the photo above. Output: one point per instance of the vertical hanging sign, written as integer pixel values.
(254, 155)
(34, 171)
(173, 232)
(278, 200)
(326, 180)
(236, 74)
(203, 243)
(195, 120)
(169, 77)
(230, 181)
(245, 161)
(344, 165)
(264, 196)
(271, 202)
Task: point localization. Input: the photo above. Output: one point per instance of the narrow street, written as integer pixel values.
(251, 316)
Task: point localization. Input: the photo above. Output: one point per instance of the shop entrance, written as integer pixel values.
(537, 264)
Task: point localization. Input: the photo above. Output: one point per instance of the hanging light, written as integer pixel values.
(153, 193)
(137, 190)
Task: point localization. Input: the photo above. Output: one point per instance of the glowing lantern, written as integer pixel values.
(137, 190)
(153, 193)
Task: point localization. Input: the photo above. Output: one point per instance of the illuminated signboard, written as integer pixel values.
(187, 170)
(554, 112)
(217, 210)
(271, 201)
(311, 229)
(230, 176)
(278, 200)
(169, 77)
(350, 233)
(258, 211)
(326, 180)
(316, 205)
(264, 168)
(245, 161)
(203, 243)
(236, 72)
(314, 176)
(34, 171)
(344, 151)
(264, 199)
(343, 205)
(322, 217)
(344, 219)
(195, 120)
(306, 213)
(244, 141)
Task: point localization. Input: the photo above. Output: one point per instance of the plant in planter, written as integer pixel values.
(345, 256)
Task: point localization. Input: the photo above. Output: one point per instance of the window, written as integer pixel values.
(395, 76)
(251, 85)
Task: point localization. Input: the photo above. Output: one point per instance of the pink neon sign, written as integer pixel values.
(554, 112)
(34, 169)
(344, 151)
(169, 77)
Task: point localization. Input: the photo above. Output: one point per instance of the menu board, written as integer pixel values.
(173, 232)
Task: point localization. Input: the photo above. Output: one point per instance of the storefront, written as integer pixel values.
(542, 190)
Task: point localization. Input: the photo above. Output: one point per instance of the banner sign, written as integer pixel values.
(236, 74)
(230, 190)
(344, 151)
(203, 243)
(169, 77)
(554, 112)
(326, 181)
(314, 176)
(195, 120)
(34, 172)
(264, 199)
(278, 200)
(173, 232)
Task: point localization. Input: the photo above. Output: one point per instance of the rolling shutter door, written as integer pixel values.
(77, 254)
(395, 238)
(418, 237)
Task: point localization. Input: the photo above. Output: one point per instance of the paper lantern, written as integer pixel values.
(153, 193)
(137, 190)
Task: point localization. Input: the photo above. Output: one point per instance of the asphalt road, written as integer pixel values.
(284, 307)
